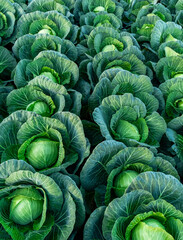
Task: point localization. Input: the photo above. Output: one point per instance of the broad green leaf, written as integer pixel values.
(93, 227)
(123, 207)
(64, 219)
(161, 186)
(94, 170)
(67, 184)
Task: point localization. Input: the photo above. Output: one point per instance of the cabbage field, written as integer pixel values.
(91, 120)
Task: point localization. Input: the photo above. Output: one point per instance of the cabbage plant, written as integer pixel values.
(48, 144)
(171, 48)
(51, 64)
(143, 27)
(29, 46)
(10, 12)
(165, 41)
(101, 39)
(147, 18)
(155, 9)
(105, 39)
(123, 60)
(125, 82)
(142, 212)
(124, 118)
(51, 22)
(91, 20)
(41, 5)
(35, 206)
(134, 7)
(165, 32)
(109, 6)
(130, 58)
(44, 97)
(112, 167)
(169, 67)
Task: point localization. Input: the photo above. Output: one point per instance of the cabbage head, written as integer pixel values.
(32, 204)
(51, 64)
(29, 46)
(44, 97)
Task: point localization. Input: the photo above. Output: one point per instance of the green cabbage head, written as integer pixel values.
(26, 205)
(42, 153)
(150, 228)
(123, 180)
